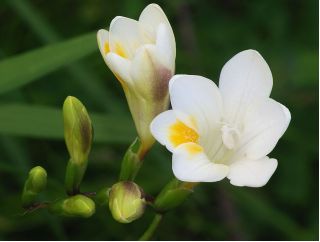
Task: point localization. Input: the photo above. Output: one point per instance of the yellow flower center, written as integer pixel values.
(181, 133)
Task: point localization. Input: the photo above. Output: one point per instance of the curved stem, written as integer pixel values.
(147, 235)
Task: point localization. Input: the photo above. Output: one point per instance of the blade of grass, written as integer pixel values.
(34, 20)
(20, 70)
(90, 82)
(44, 122)
(17, 154)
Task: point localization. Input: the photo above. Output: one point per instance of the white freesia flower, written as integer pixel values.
(227, 131)
(141, 54)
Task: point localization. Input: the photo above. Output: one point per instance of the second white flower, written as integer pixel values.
(228, 131)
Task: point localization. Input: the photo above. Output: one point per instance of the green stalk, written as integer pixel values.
(148, 234)
(74, 176)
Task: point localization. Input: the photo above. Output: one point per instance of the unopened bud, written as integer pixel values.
(144, 69)
(36, 183)
(78, 132)
(75, 206)
(126, 202)
(132, 161)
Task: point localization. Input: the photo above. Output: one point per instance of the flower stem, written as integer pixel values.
(147, 235)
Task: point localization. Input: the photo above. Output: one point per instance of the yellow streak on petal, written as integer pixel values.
(106, 48)
(180, 133)
(119, 50)
(194, 149)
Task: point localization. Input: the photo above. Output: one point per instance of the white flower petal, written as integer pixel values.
(263, 127)
(151, 17)
(190, 164)
(244, 80)
(162, 128)
(120, 67)
(150, 79)
(103, 42)
(143, 70)
(197, 96)
(125, 36)
(252, 173)
(287, 115)
(159, 127)
(200, 98)
(165, 48)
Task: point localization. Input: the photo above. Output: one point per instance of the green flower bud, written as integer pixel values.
(78, 135)
(172, 195)
(36, 183)
(126, 201)
(75, 206)
(78, 130)
(132, 161)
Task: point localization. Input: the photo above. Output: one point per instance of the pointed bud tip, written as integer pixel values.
(78, 130)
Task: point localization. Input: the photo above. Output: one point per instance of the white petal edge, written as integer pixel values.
(151, 16)
(160, 126)
(165, 48)
(252, 173)
(245, 79)
(102, 38)
(119, 66)
(190, 164)
(287, 115)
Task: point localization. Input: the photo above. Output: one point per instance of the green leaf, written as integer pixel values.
(27, 67)
(45, 122)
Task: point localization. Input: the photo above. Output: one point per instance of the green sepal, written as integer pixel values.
(132, 161)
(35, 183)
(75, 206)
(172, 195)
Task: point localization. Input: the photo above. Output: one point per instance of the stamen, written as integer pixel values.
(230, 136)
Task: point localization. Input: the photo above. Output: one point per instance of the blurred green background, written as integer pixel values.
(48, 51)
